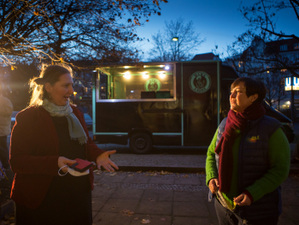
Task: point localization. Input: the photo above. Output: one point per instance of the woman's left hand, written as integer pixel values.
(242, 200)
(104, 161)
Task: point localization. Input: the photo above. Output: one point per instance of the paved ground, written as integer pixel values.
(163, 198)
(167, 189)
(167, 194)
(171, 192)
(129, 198)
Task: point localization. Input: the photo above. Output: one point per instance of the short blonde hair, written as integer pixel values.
(49, 74)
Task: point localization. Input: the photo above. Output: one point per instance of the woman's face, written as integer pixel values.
(61, 91)
(239, 101)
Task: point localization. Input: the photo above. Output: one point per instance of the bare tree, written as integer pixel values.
(178, 42)
(18, 22)
(254, 54)
(264, 14)
(71, 30)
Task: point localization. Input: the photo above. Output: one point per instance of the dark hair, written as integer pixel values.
(49, 74)
(252, 87)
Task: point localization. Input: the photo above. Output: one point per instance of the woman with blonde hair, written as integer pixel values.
(50, 136)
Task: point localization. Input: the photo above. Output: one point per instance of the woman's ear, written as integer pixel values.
(253, 97)
(48, 87)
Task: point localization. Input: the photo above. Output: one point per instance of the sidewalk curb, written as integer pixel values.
(168, 169)
(294, 170)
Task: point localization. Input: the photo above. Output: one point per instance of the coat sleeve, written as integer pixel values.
(211, 168)
(33, 150)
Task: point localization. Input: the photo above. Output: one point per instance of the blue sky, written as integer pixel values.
(217, 21)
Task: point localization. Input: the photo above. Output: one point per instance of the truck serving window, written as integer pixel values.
(139, 82)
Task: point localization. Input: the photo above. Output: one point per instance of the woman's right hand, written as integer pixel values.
(62, 161)
(214, 185)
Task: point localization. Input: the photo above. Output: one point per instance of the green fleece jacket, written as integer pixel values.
(279, 157)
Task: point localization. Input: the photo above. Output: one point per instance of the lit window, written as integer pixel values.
(142, 83)
(162, 75)
(127, 75)
(145, 75)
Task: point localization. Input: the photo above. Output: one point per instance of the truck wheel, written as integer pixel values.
(140, 143)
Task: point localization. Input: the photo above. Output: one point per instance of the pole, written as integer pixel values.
(176, 46)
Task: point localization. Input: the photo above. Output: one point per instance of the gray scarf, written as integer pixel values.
(75, 128)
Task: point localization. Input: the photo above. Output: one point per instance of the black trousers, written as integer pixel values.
(226, 217)
(68, 202)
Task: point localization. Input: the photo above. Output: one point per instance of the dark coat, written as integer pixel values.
(253, 164)
(34, 154)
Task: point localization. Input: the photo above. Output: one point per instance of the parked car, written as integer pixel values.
(287, 123)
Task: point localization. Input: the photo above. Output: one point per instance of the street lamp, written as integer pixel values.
(176, 47)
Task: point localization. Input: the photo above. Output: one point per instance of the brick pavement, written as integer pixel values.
(131, 198)
(163, 198)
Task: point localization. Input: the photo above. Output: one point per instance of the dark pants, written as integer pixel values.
(68, 202)
(226, 217)
(61, 215)
(4, 152)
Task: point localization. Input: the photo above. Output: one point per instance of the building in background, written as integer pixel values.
(206, 56)
(275, 63)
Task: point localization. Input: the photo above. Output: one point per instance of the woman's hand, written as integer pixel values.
(242, 200)
(214, 185)
(63, 161)
(104, 161)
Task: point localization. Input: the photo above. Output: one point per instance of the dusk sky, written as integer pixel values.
(218, 21)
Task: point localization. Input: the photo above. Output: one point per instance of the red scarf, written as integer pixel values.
(235, 122)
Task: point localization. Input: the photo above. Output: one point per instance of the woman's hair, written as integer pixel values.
(49, 74)
(252, 87)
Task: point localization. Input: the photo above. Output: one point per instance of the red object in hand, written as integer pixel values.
(82, 165)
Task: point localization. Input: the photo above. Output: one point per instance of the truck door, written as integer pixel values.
(200, 105)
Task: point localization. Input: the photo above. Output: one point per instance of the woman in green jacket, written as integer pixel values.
(247, 160)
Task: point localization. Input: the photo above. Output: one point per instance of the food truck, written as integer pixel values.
(173, 104)
(156, 104)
